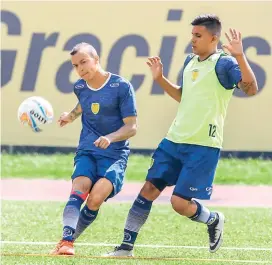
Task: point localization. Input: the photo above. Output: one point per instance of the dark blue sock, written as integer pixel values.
(137, 216)
(86, 217)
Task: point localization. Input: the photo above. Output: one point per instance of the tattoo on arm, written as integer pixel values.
(247, 86)
(75, 113)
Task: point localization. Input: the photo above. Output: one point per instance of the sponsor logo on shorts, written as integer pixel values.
(72, 199)
(209, 190)
(193, 189)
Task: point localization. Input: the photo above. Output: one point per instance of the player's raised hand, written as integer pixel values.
(155, 66)
(235, 45)
(64, 119)
(102, 142)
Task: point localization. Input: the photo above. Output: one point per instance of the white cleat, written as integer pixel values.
(215, 231)
(119, 252)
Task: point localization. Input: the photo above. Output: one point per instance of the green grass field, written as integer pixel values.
(41, 222)
(229, 171)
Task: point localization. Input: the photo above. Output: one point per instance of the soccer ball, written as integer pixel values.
(35, 112)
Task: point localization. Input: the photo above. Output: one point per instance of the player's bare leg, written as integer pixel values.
(137, 216)
(199, 213)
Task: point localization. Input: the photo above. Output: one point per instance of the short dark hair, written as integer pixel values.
(84, 45)
(210, 21)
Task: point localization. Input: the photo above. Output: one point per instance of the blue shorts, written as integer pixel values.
(191, 168)
(96, 167)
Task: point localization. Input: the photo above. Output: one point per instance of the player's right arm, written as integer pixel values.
(156, 68)
(68, 117)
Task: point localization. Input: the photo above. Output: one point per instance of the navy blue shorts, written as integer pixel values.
(96, 167)
(191, 168)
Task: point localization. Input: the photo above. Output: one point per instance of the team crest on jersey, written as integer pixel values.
(95, 108)
(195, 74)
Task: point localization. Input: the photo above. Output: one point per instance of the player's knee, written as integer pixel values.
(82, 184)
(94, 201)
(180, 205)
(149, 191)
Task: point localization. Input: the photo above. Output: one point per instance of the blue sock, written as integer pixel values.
(137, 216)
(203, 215)
(70, 216)
(86, 217)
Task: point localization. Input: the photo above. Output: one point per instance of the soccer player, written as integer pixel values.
(106, 103)
(187, 157)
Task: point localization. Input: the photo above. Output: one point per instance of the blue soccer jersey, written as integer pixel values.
(103, 111)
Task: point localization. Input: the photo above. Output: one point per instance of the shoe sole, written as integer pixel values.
(128, 256)
(62, 254)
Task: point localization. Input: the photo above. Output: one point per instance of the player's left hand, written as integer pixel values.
(102, 142)
(235, 45)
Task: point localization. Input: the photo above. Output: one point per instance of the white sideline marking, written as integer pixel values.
(137, 258)
(136, 245)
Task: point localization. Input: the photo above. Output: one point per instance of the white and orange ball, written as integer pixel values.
(35, 112)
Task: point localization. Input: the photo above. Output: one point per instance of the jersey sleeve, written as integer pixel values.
(77, 88)
(187, 60)
(228, 72)
(127, 100)
(76, 92)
